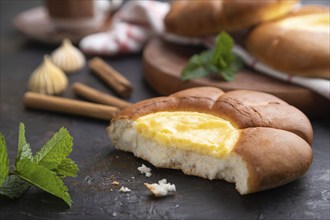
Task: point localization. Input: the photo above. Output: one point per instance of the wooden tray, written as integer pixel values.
(163, 62)
(36, 24)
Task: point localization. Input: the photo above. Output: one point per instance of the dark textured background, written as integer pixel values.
(92, 193)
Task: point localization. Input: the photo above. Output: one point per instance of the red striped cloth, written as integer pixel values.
(132, 26)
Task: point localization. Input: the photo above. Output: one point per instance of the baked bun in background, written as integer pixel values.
(207, 17)
(250, 138)
(298, 44)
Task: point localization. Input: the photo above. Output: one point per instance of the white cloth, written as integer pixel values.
(132, 26)
(320, 86)
(137, 21)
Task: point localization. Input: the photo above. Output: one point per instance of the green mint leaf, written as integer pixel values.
(194, 73)
(14, 187)
(196, 66)
(55, 150)
(220, 61)
(229, 73)
(67, 168)
(42, 178)
(4, 160)
(24, 150)
(222, 54)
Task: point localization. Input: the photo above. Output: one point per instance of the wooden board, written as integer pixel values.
(36, 24)
(163, 62)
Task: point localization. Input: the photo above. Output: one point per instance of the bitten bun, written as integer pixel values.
(297, 44)
(203, 18)
(273, 146)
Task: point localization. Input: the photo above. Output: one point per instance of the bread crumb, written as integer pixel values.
(115, 183)
(144, 170)
(124, 189)
(162, 188)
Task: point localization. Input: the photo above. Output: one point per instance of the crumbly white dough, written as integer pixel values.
(162, 188)
(124, 189)
(145, 170)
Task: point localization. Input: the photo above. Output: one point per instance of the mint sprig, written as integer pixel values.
(55, 150)
(219, 62)
(45, 170)
(14, 187)
(4, 160)
(24, 150)
(42, 178)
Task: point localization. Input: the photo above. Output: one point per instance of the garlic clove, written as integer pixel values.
(69, 58)
(48, 79)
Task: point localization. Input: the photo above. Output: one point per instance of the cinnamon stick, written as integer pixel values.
(111, 77)
(97, 96)
(69, 106)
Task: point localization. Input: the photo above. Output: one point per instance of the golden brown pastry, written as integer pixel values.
(207, 17)
(297, 44)
(250, 138)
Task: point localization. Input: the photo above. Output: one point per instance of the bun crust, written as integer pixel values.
(273, 157)
(202, 18)
(295, 44)
(274, 137)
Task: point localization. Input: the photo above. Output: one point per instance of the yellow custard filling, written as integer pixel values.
(315, 22)
(199, 132)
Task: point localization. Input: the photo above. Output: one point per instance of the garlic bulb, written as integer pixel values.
(69, 58)
(48, 79)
